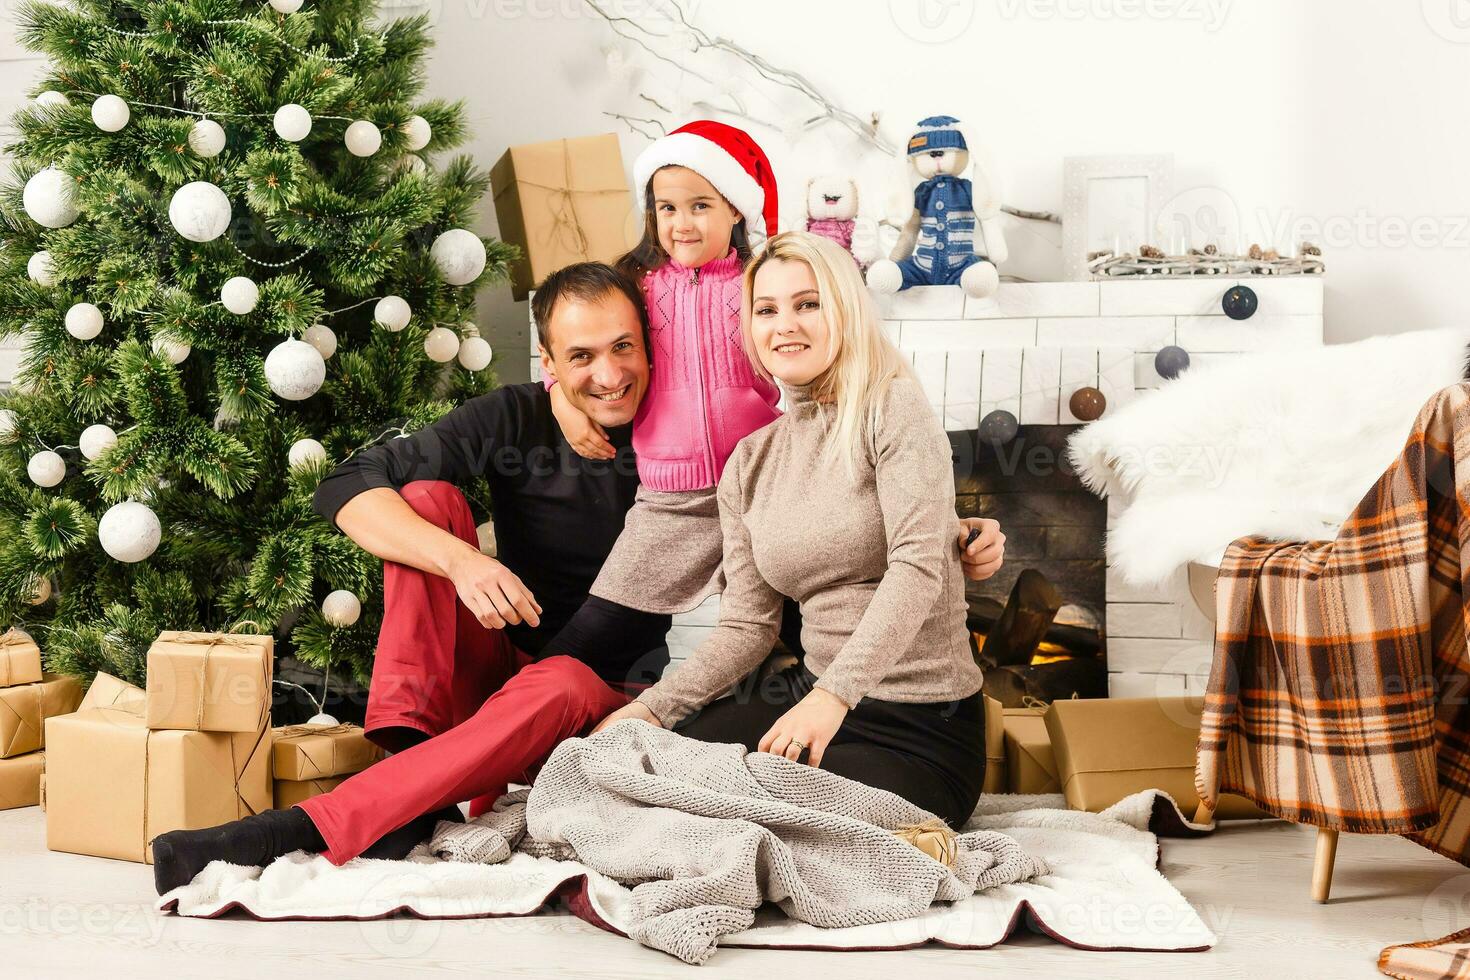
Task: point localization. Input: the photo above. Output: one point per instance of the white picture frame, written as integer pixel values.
(1111, 202)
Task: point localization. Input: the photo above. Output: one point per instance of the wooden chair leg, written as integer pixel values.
(1322, 866)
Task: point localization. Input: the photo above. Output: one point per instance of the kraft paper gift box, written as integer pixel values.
(305, 752)
(20, 659)
(1031, 766)
(292, 791)
(1109, 748)
(209, 682)
(113, 784)
(21, 779)
(109, 692)
(562, 202)
(41, 801)
(24, 710)
(995, 747)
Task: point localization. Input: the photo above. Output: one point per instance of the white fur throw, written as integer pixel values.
(1276, 443)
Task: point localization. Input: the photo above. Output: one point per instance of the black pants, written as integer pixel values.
(932, 755)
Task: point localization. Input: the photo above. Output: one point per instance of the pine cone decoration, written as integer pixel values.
(1255, 252)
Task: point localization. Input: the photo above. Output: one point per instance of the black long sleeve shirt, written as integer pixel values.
(556, 513)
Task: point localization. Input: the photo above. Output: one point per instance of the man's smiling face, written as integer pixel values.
(598, 357)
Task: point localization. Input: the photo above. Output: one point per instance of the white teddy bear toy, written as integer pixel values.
(831, 211)
(953, 234)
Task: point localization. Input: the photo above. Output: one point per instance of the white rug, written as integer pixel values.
(1105, 891)
(1277, 443)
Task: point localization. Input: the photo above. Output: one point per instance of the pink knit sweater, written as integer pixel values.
(703, 395)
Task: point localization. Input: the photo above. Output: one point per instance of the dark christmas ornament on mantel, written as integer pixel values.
(1239, 302)
(1087, 404)
(999, 427)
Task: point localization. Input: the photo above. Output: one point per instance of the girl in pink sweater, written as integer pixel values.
(706, 187)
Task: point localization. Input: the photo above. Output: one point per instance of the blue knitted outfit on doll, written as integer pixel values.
(946, 244)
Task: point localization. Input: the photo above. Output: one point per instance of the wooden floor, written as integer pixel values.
(67, 916)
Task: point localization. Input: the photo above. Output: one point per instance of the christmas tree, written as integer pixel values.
(235, 258)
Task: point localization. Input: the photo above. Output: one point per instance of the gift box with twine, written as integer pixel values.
(209, 682)
(1031, 766)
(113, 784)
(562, 202)
(1110, 748)
(289, 792)
(995, 747)
(25, 708)
(307, 752)
(107, 691)
(20, 659)
(21, 779)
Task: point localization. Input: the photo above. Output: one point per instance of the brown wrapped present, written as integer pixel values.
(292, 791)
(209, 682)
(995, 747)
(110, 692)
(24, 710)
(1109, 748)
(20, 780)
(314, 751)
(41, 801)
(20, 659)
(562, 202)
(112, 784)
(1030, 765)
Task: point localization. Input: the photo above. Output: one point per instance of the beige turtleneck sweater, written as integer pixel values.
(875, 563)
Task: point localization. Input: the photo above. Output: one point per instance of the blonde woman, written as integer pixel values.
(846, 504)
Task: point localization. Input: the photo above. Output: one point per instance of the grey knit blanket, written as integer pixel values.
(704, 833)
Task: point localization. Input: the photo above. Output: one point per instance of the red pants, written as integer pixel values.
(493, 714)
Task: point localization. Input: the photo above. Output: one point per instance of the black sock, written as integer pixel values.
(395, 845)
(259, 839)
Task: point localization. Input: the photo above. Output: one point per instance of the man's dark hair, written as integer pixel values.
(584, 282)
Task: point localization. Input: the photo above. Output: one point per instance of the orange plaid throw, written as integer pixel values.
(1340, 690)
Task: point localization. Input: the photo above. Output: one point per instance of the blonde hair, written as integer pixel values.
(865, 363)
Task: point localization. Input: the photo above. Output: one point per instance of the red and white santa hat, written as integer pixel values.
(726, 157)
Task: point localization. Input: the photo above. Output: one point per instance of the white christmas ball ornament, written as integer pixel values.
(413, 164)
(199, 211)
(295, 370)
(51, 97)
(42, 590)
(206, 138)
(7, 424)
(110, 113)
(46, 468)
(50, 198)
(285, 6)
(392, 312)
(84, 321)
(306, 452)
(40, 268)
(363, 138)
(96, 440)
(323, 338)
(441, 345)
(322, 718)
(292, 122)
(416, 132)
(341, 608)
(176, 351)
(460, 255)
(129, 531)
(474, 354)
(239, 295)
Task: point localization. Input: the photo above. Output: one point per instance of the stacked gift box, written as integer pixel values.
(311, 759)
(28, 698)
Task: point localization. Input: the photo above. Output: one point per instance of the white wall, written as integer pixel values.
(1344, 113)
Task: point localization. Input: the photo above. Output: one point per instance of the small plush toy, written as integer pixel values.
(940, 243)
(831, 209)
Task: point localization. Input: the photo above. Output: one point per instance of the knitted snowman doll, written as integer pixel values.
(953, 235)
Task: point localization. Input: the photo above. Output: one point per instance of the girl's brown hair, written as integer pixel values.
(649, 255)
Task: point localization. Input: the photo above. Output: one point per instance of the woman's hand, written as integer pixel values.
(584, 435)
(811, 724)
(633, 709)
(494, 593)
(983, 557)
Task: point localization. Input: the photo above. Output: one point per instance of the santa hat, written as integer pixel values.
(726, 157)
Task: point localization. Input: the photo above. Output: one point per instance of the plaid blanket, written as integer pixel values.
(1338, 693)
